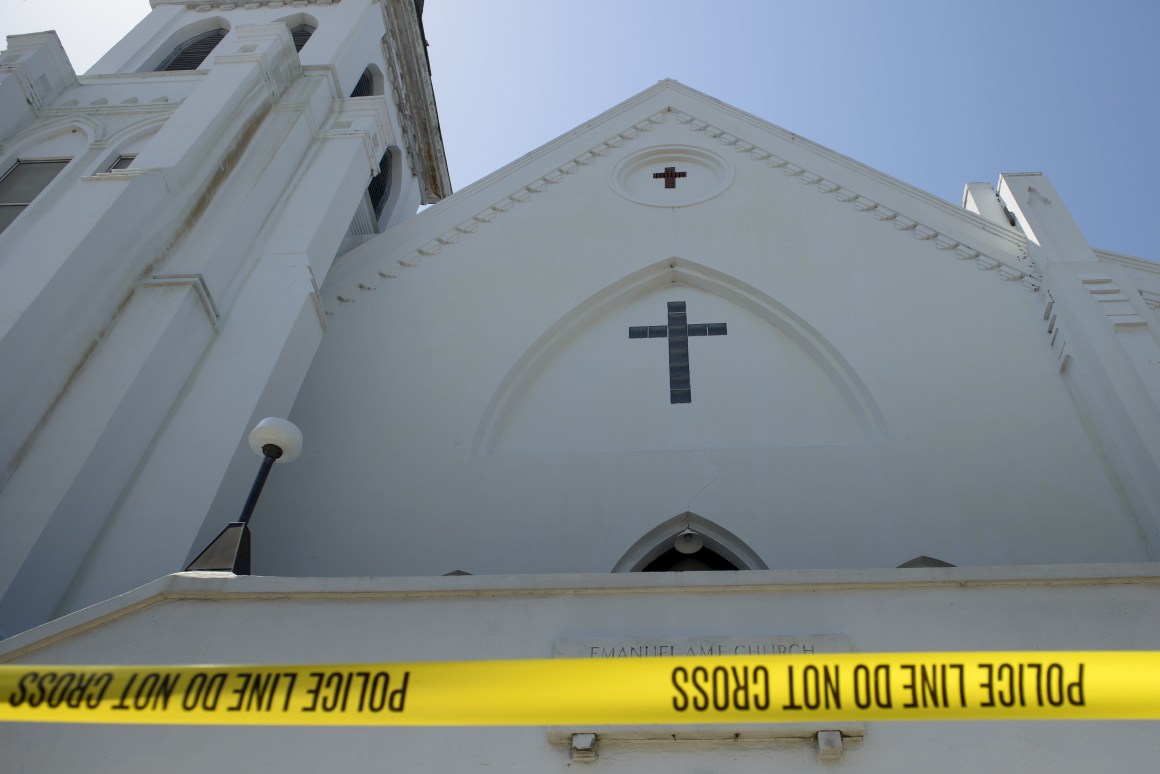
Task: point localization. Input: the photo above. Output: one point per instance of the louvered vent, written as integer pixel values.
(190, 54)
(301, 33)
(365, 86)
(380, 187)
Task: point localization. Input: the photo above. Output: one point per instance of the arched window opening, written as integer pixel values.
(689, 543)
(365, 85)
(370, 83)
(379, 189)
(374, 206)
(702, 560)
(301, 33)
(190, 54)
(925, 561)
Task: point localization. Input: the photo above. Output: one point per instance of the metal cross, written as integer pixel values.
(677, 331)
(670, 176)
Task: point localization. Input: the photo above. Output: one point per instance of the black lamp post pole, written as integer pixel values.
(274, 439)
(270, 454)
(230, 550)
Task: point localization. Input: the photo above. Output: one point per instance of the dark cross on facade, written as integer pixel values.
(677, 331)
(670, 176)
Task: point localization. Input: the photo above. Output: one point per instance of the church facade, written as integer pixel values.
(678, 381)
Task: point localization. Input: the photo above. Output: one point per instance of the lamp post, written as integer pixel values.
(274, 440)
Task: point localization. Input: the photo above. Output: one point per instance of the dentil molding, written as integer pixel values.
(245, 5)
(1017, 267)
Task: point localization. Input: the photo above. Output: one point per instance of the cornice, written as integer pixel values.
(1017, 266)
(245, 5)
(348, 290)
(1009, 268)
(1015, 239)
(405, 55)
(102, 106)
(220, 588)
(1128, 260)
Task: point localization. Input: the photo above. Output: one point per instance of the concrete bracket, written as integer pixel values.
(583, 747)
(197, 282)
(830, 745)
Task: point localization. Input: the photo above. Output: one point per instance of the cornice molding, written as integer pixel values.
(405, 54)
(1007, 267)
(132, 106)
(245, 5)
(1132, 261)
(217, 588)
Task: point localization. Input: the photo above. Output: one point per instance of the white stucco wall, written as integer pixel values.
(477, 403)
(266, 620)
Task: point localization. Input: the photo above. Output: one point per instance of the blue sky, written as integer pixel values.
(934, 93)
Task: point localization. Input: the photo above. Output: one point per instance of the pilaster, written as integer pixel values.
(254, 67)
(980, 198)
(296, 188)
(61, 287)
(123, 223)
(253, 369)
(56, 504)
(315, 218)
(1099, 327)
(1044, 218)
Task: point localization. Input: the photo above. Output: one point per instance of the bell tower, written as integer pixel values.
(167, 219)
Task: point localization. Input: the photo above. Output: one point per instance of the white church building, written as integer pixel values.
(678, 379)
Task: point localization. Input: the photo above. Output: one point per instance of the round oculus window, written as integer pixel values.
(671, 176)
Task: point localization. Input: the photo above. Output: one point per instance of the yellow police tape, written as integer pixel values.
(598, 692)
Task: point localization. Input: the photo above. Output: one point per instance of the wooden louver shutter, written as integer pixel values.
(300, 34)
(365, 86)
(380, 187)
(190, 54)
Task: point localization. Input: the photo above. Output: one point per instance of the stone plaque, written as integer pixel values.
(660, 647)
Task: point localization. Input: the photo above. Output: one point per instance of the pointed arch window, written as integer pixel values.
(925, 561)
(689, 543)
(190, 54)
(379, 189)
(703, 560)
(365, 85)
(300, 33)
(369, 84)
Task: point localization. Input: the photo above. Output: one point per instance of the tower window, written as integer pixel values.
(121, 162)
(380, 188)
(365, 86)
(22, 183)
(300, 34)
(190, 54)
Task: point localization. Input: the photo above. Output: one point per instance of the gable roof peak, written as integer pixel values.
(906, 208)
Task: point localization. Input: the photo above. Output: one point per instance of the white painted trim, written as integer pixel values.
(227, 587)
